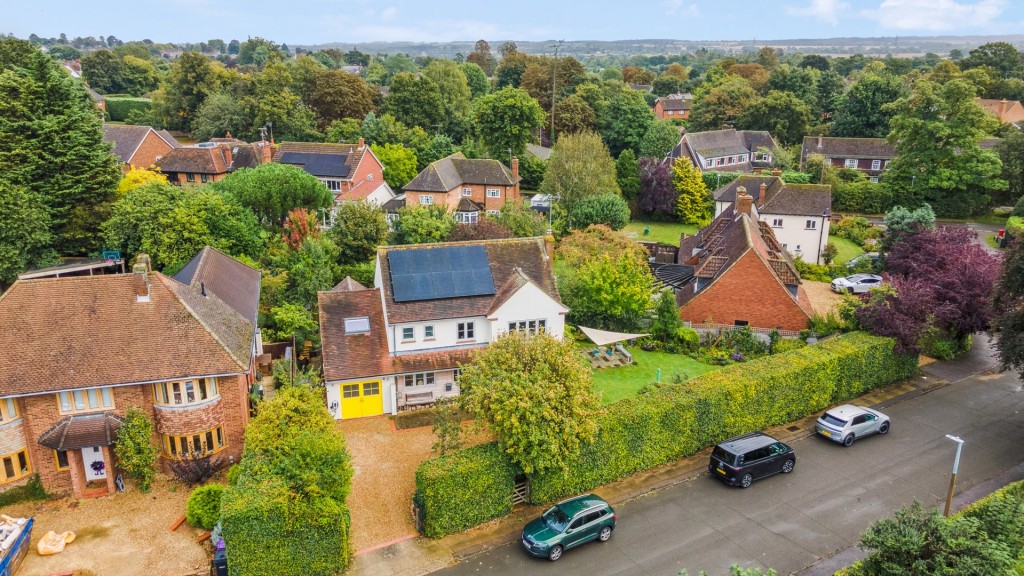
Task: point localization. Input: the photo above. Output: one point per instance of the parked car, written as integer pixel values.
(856, 284)
(846, 423)
(863, 259)
(741, 460)
(568, 524)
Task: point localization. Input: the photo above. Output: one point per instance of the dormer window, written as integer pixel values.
(357, 325)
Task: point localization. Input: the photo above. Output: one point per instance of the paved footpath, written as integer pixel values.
(798, 523)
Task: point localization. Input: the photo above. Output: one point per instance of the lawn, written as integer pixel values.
(661, 232)
(614, 384)
(847, 249)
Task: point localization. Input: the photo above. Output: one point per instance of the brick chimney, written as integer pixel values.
(821, 141)
(549, 247)
(1003, 105)
(227, 156)
(361, 144)
(776, 172)
(743, 201)
(761, 193)
(266, 152)
(515, 175)
(141, 271)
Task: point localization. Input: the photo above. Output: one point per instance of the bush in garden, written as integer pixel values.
(195, 468)
(120, 108)
(203, 507)
(134, 448)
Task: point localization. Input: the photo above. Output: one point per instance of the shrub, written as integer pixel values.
(119, 108)
(31, 490)
(607, 209)
(783, 345)
(463, 489)
(194, 468)
(134, 448)
(203, 507)
(1015, 225)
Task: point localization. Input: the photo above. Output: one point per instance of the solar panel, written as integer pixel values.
(442, 272)
(327, 165)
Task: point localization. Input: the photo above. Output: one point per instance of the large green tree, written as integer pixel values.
(103, 71)
(624, 121)
(573, 115)
(861, 112)
(534, 392)
(415, 101)
(627, 174)
(1008, 306)
(273, 190)
(1006, 60)
(336, 94)
(506, 120)
(661, 137)
(51, 144)
(936, 132)
(721, 105)
(190, 81)
(476, 79)
(694, 202)
(422, 224)
(399, 164)
(358, 229)
(580, 166)
(452, 84)
(272, 102)
(782, 114)
(25, 238)
(1011, 154)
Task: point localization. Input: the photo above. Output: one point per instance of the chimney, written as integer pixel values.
(141, 271)
(361, 144)
(761, 193)
(549, 247)
(227, 156)
(515, 175)
(1003, 104)
(776, 172)
(266, 152)
(743, 201)
(821, 141)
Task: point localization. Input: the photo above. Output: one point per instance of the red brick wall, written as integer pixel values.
(368, 165)
(151, 148)
(661, 114)
(747, 291)
(479, 195)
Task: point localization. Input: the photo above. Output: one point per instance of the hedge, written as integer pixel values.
(120, 108)
(1015, 226)
(861, 196)
(463, 489)
(202, 509)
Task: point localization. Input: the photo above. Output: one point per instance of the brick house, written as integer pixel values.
(465, 187)
(401, 343)
(212, 161)
(1007, 111)
(726, 150)
(673, 107)
(138, 146)
(741, 274)
(80, 351)
(351, 171)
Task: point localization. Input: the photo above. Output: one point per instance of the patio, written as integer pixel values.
(608, 357)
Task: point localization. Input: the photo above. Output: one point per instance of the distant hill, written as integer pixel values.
(894, 45)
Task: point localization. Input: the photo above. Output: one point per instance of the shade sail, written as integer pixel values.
(603, 337)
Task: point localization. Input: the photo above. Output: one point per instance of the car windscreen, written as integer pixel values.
(724, 455)
(833, 421)
(555, 519)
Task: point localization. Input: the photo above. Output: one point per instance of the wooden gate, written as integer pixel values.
(521, 491)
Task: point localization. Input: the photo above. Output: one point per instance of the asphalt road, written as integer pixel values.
(788, 522)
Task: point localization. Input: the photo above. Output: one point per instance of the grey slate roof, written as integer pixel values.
(393, 205)
(455, 170)
(718, 143)
(870, 148)
(675, 103)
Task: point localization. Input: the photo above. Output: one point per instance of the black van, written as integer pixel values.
(741, 460)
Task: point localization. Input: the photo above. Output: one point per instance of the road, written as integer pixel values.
(790, 521)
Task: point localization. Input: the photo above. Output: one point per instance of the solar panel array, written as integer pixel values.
(318, 164)
(444, 272)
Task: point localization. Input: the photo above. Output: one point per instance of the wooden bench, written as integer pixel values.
(419, 398)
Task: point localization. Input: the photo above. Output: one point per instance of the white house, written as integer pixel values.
(797, 213)
(401, 343)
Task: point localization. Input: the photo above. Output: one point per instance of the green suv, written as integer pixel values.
(568, 524)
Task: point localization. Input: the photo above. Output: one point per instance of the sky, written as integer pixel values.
(305, 22)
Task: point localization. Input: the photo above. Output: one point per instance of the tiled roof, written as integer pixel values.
(82, 431)
(127, 139)
(392, 206)
(780, 197)
(455, 170)
(505, 256)
(872, 148)
(1005, 110)
(348, 285)
(87, 331)
(675, 103)
(322, 159)
(191, 160)
(514, 283)
(467, 205)
(538, 151)
(719, 143)
(235, 283)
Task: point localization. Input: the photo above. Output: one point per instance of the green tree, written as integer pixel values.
(627, 174)
(139, 76)
(608, 209)
(273, 190)
(336, 94)
(134, 448)
(861, 112)
(721, 105)
(661, 137)
(780, 113)
(422, 224)
(447, 426)
(482, 57)
(1008, 307)
(830, 88)
(624, 121)
(799, 82)
(573, 115)
(901, 223)
(477, 80)
(510, 71)
(312, 268)
(936, 133)
(506, 120)
(611, 292)
(415, 101)
(134, 221)
(291, 320)
(1001, 56)
(358, 229)
(399, 164)
(25, 238)
(452, 84)
(693, 204)
(1011, 154)
(218, 115)
(441, 146)
(204, 217)
(345, 130)
(190, 81)
(51, 144)
(534, 392)
(103, 71)
(580, 166)
(521, 220)
(273, 102)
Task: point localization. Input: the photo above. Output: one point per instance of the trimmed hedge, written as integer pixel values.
(463, 489)
(120, 108)
(203, 507)
(679, 419)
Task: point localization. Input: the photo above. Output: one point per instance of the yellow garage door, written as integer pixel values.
(361, 399)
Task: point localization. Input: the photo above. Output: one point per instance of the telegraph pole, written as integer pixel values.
(554, 74)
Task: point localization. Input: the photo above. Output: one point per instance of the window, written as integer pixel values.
(426, 200)
(185, 393)
(493, 193)
(8, 409)
(721, 161)
(333, 185)
(873, 179)
(732, 159)
(531, 326)
(492, 212)
(762, 157)
(797, 247)
(61, 458)
(711, 163)
(369, 177)
(89, 400)
(466, 331)
(350, 391)
(876, 164)
(456, 374)
(205, 178)
(408, 333)
(190, 177)
(850, 163)
(467, 217)
(811, 225)
(198, 444)
(467, 191)
(784, 246)
(357, 325)
(15, 466)
(428, 332)
(776, 222)
(371, 389)
(743, 158)
(886, 163)
(420, 379)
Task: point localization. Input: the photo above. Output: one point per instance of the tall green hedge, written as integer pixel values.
(678, 420)
(120, 108)
(463, 489)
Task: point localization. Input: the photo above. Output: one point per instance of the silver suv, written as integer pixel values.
(846, 423)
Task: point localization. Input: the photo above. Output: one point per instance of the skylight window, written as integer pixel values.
(357, 325)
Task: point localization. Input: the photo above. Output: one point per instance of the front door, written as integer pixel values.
(361, 399)
(95, 467)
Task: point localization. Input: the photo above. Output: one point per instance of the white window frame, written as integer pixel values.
(426, 200)
(466, 331)
(710, 162)
(185, 392)
(357, 325)
(85, 400)
(850, 163)
(762, 157)
(467, 217)
(492, 212)
(408, 334)
(530, 326)
(873, 179)
(776, 222)
(418, 379)
(811, 225)
(494, 193)
(332, 185)
(428, 332)
(797, 248)
(467, 191)
(743, 158)
(876, 164)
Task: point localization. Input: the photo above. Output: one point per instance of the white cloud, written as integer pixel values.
(935, 15)
(680, 8)
(389, 13)
(827, 11)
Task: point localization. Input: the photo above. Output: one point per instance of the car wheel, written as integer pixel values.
(605, 534)
(788, 466)
(883, 428)
(555, 553)
(850, 291)
(746, 481)
(848, 441)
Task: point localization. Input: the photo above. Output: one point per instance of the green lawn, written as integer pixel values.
(847, 249)
(614, 384)
(662, 232)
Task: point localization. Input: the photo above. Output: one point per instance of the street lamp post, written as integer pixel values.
(956, 466)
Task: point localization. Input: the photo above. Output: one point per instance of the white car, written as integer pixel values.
(844, 424)
(856, 284)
